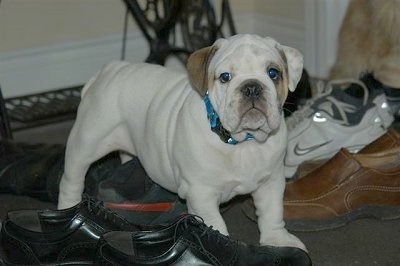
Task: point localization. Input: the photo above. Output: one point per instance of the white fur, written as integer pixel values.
(153, 113)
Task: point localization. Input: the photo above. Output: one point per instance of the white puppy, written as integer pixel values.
(161, 116)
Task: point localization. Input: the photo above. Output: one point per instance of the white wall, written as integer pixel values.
(50, 44)
(322, 22)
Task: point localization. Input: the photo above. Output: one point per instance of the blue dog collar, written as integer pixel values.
(216, 125)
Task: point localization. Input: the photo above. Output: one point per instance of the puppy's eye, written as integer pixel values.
(273, 73)
(225, 77)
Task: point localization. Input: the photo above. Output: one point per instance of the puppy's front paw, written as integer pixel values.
(282, 238)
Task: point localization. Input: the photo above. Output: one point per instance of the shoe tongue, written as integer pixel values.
(347, 101)
(353, 91)
(353, 95)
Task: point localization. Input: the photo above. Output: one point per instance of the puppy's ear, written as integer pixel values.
(197, 67)
(295, 65)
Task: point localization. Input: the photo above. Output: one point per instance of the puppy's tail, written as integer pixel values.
(89, 84)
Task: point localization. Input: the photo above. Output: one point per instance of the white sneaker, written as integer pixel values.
(334, 119)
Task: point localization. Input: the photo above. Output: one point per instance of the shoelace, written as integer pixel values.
(201, 230)
(97, 207)
(324, 90)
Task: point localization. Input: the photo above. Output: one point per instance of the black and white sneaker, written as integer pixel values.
(393, 98)
(350, 117)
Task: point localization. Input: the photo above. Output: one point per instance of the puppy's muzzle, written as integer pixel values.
(252, 90)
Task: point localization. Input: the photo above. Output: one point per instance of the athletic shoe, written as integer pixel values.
(130, 193)
(393, 97)
(337, 118)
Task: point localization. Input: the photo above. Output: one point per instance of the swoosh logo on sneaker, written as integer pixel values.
(303, 151)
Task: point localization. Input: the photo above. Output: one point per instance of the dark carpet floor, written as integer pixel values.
(363, 242)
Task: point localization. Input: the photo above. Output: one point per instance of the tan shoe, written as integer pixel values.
(387, 141)
(347, 187)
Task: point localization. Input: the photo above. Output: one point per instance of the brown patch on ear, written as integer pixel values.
(282, 91)
(197, 67)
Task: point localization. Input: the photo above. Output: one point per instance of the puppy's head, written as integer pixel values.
(247, 78)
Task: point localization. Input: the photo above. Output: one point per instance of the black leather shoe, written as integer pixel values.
(58, 237)
(190, 242)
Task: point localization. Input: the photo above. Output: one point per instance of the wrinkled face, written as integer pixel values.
(247, 81)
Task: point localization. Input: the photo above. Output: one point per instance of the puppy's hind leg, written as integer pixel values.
(84, 147)
(125, 156)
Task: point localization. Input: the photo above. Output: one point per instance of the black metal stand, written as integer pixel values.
(159, 21)
(43, 108)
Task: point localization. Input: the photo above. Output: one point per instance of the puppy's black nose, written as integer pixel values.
(252, 90)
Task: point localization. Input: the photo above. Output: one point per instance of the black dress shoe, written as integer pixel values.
(190, 242)
(58, 237)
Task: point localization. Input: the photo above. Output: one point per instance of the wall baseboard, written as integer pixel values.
(64, 65)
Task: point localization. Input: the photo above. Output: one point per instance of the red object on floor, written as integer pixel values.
(147, 207)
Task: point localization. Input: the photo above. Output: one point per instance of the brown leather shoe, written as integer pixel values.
(387, 141)
(347, 187)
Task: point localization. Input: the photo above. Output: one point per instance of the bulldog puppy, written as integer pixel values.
(208, 136)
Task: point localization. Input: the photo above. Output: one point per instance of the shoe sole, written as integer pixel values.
(375, 212)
